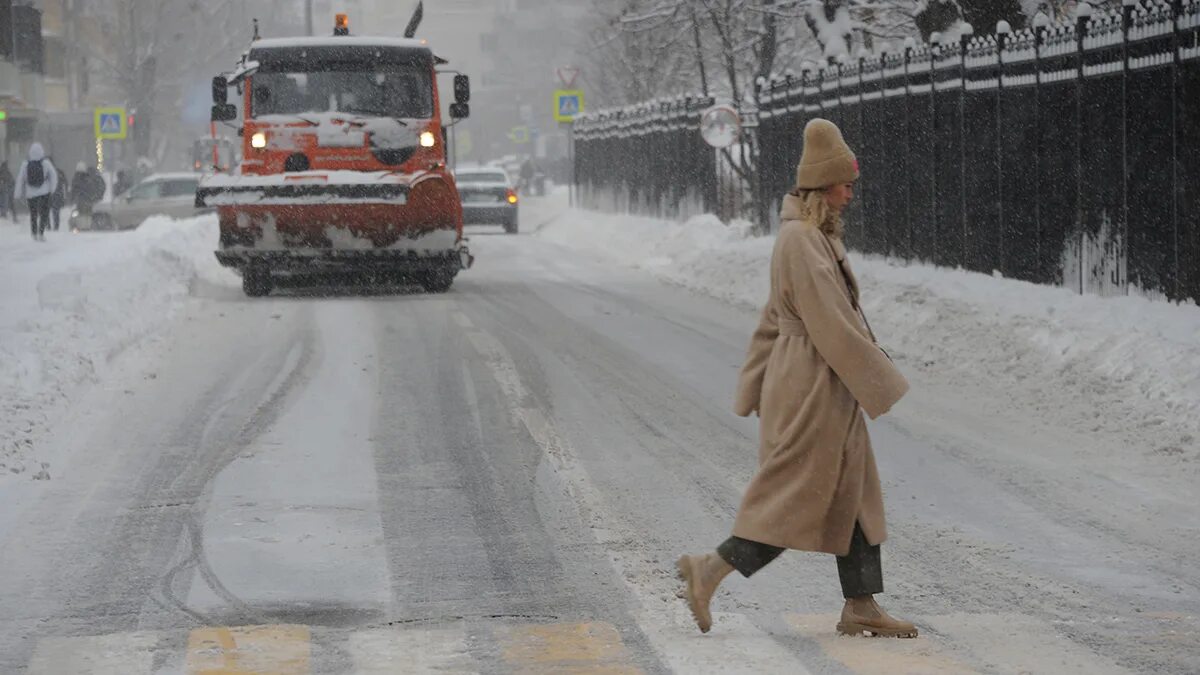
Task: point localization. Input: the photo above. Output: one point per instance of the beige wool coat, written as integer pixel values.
(812, 368)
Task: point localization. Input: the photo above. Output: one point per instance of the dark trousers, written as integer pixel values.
(39, 214)
(860, 570)
(55, 216)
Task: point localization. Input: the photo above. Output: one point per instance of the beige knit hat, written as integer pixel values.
(827, 160)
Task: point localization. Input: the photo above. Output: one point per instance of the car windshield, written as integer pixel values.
(180, 187)
(481, 177)
(150, 189)
(387, 90)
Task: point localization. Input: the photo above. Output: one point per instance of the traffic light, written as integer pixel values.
(3, 115)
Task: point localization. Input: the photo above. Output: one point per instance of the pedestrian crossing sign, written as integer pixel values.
(110, 124)
(519, 135)
(568, 104)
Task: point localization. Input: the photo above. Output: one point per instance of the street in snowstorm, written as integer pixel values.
(404, 340)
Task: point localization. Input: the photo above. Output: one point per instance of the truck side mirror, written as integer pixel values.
(224, 112)
(462, 89)
(220, 90)
(460, 111)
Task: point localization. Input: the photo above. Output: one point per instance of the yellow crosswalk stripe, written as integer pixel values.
(877, 656)
(573, 649)
(241, 650)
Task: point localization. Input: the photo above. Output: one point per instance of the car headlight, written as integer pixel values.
(428, 140)
(258, 140)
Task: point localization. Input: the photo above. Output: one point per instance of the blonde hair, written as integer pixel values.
(816, 211)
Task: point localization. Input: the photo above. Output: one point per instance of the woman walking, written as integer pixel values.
(812, 364)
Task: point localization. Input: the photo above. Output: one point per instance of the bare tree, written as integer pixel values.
(641, 51)
(152, 47)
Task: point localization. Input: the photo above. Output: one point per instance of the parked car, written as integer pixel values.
(488, 197)
(160, 194)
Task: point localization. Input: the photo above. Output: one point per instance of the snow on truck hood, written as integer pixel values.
(342, 130)
(342, 177)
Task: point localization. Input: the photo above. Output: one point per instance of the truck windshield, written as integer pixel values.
(392, 90)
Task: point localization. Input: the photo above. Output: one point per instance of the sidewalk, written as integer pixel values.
(69, 304)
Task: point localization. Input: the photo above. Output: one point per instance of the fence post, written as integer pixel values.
(1176, 63)
(1003, 32)
(1041, 24)
(1083, 23)
(806, 74)
(909, 44)
(1127, 7)
(862, 138)
(964, 43)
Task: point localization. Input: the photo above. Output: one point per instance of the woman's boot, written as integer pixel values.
(702, 574)
(864, 615)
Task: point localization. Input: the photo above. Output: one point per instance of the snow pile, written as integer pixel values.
(1125, 369)
(701, 253)
(72, 303)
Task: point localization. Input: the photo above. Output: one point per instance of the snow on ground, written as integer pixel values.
(1122, 371)
(69, 305)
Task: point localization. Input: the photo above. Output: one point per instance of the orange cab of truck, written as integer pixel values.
(343, 171)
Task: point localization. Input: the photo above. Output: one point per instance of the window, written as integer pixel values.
(393, 91)
(180, 188)
(481, 177)
(56, 62)
(148, 190)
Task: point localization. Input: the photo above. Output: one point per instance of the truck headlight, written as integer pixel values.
(258, 140)
(428, 140)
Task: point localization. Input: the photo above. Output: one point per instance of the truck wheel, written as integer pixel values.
(256, 281)
(438, 282)
(511, 228)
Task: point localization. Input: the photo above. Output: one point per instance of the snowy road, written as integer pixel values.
(497, 480)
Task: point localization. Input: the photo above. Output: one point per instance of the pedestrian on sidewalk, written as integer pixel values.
(812, 369)
(36, 182)
(59, 198)
(6, 190)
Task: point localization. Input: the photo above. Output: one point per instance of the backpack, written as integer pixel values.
(35, 174)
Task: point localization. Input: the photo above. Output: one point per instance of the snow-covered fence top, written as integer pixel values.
(1150, 32)
(1061, 153)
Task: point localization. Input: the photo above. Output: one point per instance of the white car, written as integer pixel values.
(488, 197)
(160, 194)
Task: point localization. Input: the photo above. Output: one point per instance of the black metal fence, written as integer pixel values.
(648, 159)
(1065, 154)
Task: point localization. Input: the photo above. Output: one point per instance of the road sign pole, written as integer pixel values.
(571, 196)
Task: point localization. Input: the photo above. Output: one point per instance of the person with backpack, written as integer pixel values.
(36, 182)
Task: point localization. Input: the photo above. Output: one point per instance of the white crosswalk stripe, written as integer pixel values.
(411, 650)
(117, 654)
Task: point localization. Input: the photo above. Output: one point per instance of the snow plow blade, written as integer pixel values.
(297, 260)
(265, 195)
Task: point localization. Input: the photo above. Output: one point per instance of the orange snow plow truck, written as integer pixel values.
(344, 164)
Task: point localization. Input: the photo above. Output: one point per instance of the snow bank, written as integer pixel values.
(72, 303)
(1126, 369)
